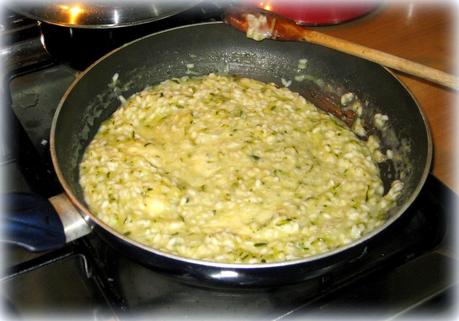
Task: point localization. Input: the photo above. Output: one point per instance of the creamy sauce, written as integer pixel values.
(232, 170)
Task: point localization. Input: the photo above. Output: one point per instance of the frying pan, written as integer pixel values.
(215, 47)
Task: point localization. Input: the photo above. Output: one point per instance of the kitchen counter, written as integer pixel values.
(424, 33)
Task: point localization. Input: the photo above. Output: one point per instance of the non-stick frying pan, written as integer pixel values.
(215, 47)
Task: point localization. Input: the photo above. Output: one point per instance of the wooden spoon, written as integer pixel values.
(261, 25)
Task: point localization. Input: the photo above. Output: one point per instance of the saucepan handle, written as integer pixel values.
(39, 224)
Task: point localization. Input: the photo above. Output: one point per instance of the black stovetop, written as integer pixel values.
(406, 272)
(408, 275)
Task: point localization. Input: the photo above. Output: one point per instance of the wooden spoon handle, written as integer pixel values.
(270, 26)
(382, 58)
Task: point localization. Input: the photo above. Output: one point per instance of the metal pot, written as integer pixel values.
(215, 47)
(317, 13)
(97, 14)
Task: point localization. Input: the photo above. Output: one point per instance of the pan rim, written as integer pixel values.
(94, 220)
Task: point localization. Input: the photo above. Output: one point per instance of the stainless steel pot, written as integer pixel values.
(97, 14)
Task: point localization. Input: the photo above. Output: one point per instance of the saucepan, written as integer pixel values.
(216, 47)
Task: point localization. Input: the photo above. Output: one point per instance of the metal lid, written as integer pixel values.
(100, 13)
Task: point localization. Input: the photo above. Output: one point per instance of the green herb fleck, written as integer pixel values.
(260, 244)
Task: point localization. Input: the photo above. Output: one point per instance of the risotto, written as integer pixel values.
(228, 169)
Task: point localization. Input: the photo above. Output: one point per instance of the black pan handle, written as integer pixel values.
(38, 224)
(31, 222)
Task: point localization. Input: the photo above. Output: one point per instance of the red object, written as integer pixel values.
(315, 12)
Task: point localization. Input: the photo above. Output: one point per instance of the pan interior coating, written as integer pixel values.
(229, 169)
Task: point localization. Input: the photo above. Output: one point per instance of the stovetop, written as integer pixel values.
(407, 271)
(409, 275)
